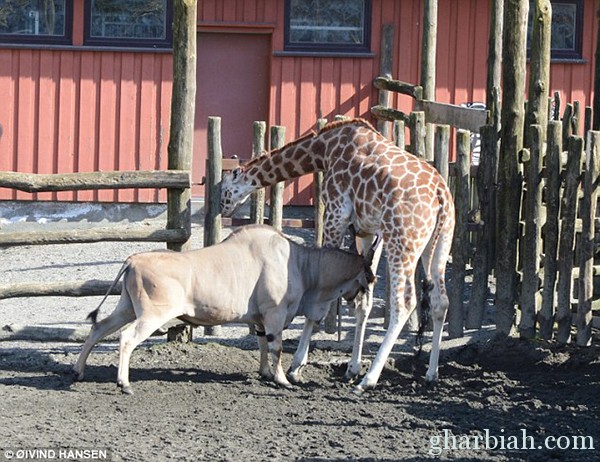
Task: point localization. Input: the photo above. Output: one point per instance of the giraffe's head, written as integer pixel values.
(235, 190)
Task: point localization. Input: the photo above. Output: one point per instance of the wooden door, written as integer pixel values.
(232, 83)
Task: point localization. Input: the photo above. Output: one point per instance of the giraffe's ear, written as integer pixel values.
(236, 172)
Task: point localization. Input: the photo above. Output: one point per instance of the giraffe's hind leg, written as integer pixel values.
(434, 259)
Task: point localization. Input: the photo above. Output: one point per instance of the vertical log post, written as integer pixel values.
(417, 133)
(456, 311)
(539, 79)
(596, 102)
(212, 217)
(214, 170)
(567, 239)
(587, 121)
(399, 134)
(417, 147)
(385, 70)
(530, 294)
(509, 175)
(586, 249)
(494, 72)
(276, 194)
(257, 199)
(441, 149)
(485, 182)
(567, 123)
(319, 206)
(428, 52)
(181, 138)
(576, 119)
(553, 169)
(557, 108)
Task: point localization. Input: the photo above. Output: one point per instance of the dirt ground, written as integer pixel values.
(205, 400)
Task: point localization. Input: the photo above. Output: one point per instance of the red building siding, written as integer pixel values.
(67, 111)
(80, 110)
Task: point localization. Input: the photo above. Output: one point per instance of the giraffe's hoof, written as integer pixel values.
(358, 391)
(294, 377)
(431, 377)
(127, 390)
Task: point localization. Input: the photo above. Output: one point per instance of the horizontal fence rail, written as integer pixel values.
(36, 182)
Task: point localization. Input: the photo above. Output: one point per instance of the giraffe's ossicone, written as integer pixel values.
(380, 189)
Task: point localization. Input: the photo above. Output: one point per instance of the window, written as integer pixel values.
(567, 28)
(141, 23)
(35, 21)
(328, 25)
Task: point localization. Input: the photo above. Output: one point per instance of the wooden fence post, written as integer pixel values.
(567, 240)
(553, 169)
(212, 216)
(428, 53)
(509, 175)
(417, 134)
(214, 167)
(567, 123)
(181, 136)
(596, 101)
(319, 206)
(539, 79)
(456, 311)
(417, 147)
(276, 193)
(441, 149)
(257, 199)
(557, 107)
(483, 258)
(385, 70)
(586, 249)
(494, 72)
(399, 134)
(530, 294)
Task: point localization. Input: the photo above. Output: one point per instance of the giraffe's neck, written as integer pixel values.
(306, 155)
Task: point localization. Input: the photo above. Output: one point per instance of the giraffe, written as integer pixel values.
(382, 190)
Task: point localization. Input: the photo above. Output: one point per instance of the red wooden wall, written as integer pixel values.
(78, 109)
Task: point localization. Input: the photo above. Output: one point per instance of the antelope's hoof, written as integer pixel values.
(350, 377)
(77, 375)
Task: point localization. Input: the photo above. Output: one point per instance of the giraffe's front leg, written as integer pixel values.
(403, 301)
(364, 304)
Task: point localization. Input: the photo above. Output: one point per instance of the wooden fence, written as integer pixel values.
(173, 180)
(558, 213)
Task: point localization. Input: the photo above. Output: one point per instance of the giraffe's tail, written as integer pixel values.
(443, 232)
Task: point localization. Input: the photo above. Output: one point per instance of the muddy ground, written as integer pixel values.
(205, 400)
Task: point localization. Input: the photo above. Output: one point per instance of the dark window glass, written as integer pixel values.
(567, 28)
(328, 25)
(35, 21)
(131, 23)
